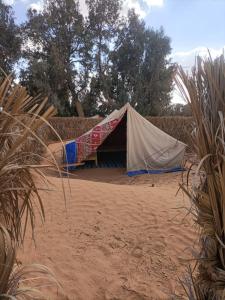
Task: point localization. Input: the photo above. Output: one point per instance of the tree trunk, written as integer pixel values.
(79, 108)
(77, 104)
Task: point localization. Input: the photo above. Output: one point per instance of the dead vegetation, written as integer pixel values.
(204, 90)
(21, 117)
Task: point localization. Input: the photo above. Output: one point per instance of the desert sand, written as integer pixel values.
(115, 237)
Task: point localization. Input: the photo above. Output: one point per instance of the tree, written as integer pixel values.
(99, 63)
(127, 59)
(178, 109)
(103, 23)
(61, 51)
(10, 41)
(141, 71)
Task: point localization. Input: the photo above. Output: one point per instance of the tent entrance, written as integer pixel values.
(113, 151)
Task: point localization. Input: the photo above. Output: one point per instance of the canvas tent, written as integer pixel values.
(146, 148)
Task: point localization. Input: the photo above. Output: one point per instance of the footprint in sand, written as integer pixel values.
(137, 252)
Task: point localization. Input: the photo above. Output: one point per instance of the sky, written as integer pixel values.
(193, 25)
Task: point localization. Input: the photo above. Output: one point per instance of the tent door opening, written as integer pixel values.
(113, 151)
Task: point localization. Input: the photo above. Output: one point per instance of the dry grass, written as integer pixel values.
(204, 90)
(21, 118)
(19, 121)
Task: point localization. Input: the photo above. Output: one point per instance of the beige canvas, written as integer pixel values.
(148, 147)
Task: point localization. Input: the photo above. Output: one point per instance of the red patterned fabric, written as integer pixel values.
(88, 143)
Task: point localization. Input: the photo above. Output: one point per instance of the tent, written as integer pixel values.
(125, 133)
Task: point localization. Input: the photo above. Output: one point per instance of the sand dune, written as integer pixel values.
(117, 238)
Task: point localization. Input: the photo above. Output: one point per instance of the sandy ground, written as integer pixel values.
(115, 238)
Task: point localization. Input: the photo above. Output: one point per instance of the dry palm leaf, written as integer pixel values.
(20, 119)
(204, 90)
(21, 145)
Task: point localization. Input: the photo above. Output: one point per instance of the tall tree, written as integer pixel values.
(9, 38)
(141, 71)
(99, 63)
(61, 48)
(127, 58)
(103, 22)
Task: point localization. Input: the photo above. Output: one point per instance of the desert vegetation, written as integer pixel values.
(21, 150)
(89, 65)
(204, 90)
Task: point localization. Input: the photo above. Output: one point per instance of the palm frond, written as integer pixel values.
(20, 151)
(204, 90)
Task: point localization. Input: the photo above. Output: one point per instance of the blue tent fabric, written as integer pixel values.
(71, 155)
(160, 171)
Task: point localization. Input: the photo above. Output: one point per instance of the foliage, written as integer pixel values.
(19, 120)
(178, 109)
(137, 70)
(142, 74)
(9, 38)
(103, 23)
(95, 64)
(88, 65)
(57, 63)
(204, 90)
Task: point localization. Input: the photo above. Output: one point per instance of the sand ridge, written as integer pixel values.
(114, 241)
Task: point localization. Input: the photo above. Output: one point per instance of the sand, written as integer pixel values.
(115, 238)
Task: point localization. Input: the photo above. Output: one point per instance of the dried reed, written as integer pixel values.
(21, 117)
(204, 90)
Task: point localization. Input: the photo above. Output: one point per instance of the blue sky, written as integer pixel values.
(192, 25)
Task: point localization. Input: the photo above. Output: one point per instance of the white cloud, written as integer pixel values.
(83, 8)
(154, 2)
(141, 8)
(187, 60)
(38, 6)
(133, 4)
(8, 2)
(176, 96)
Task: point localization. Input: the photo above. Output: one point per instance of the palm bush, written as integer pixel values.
(204, 90)
(20, 118)
(21, 145)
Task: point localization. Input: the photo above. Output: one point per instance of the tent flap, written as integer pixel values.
(149, 148)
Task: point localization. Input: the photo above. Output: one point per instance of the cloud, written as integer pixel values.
(133, 4)
(127, 4)
(187, 60)
(8, 2)
(151, 3)
(142, 8)
(38, 6)
(83, 8)
(176, 96)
